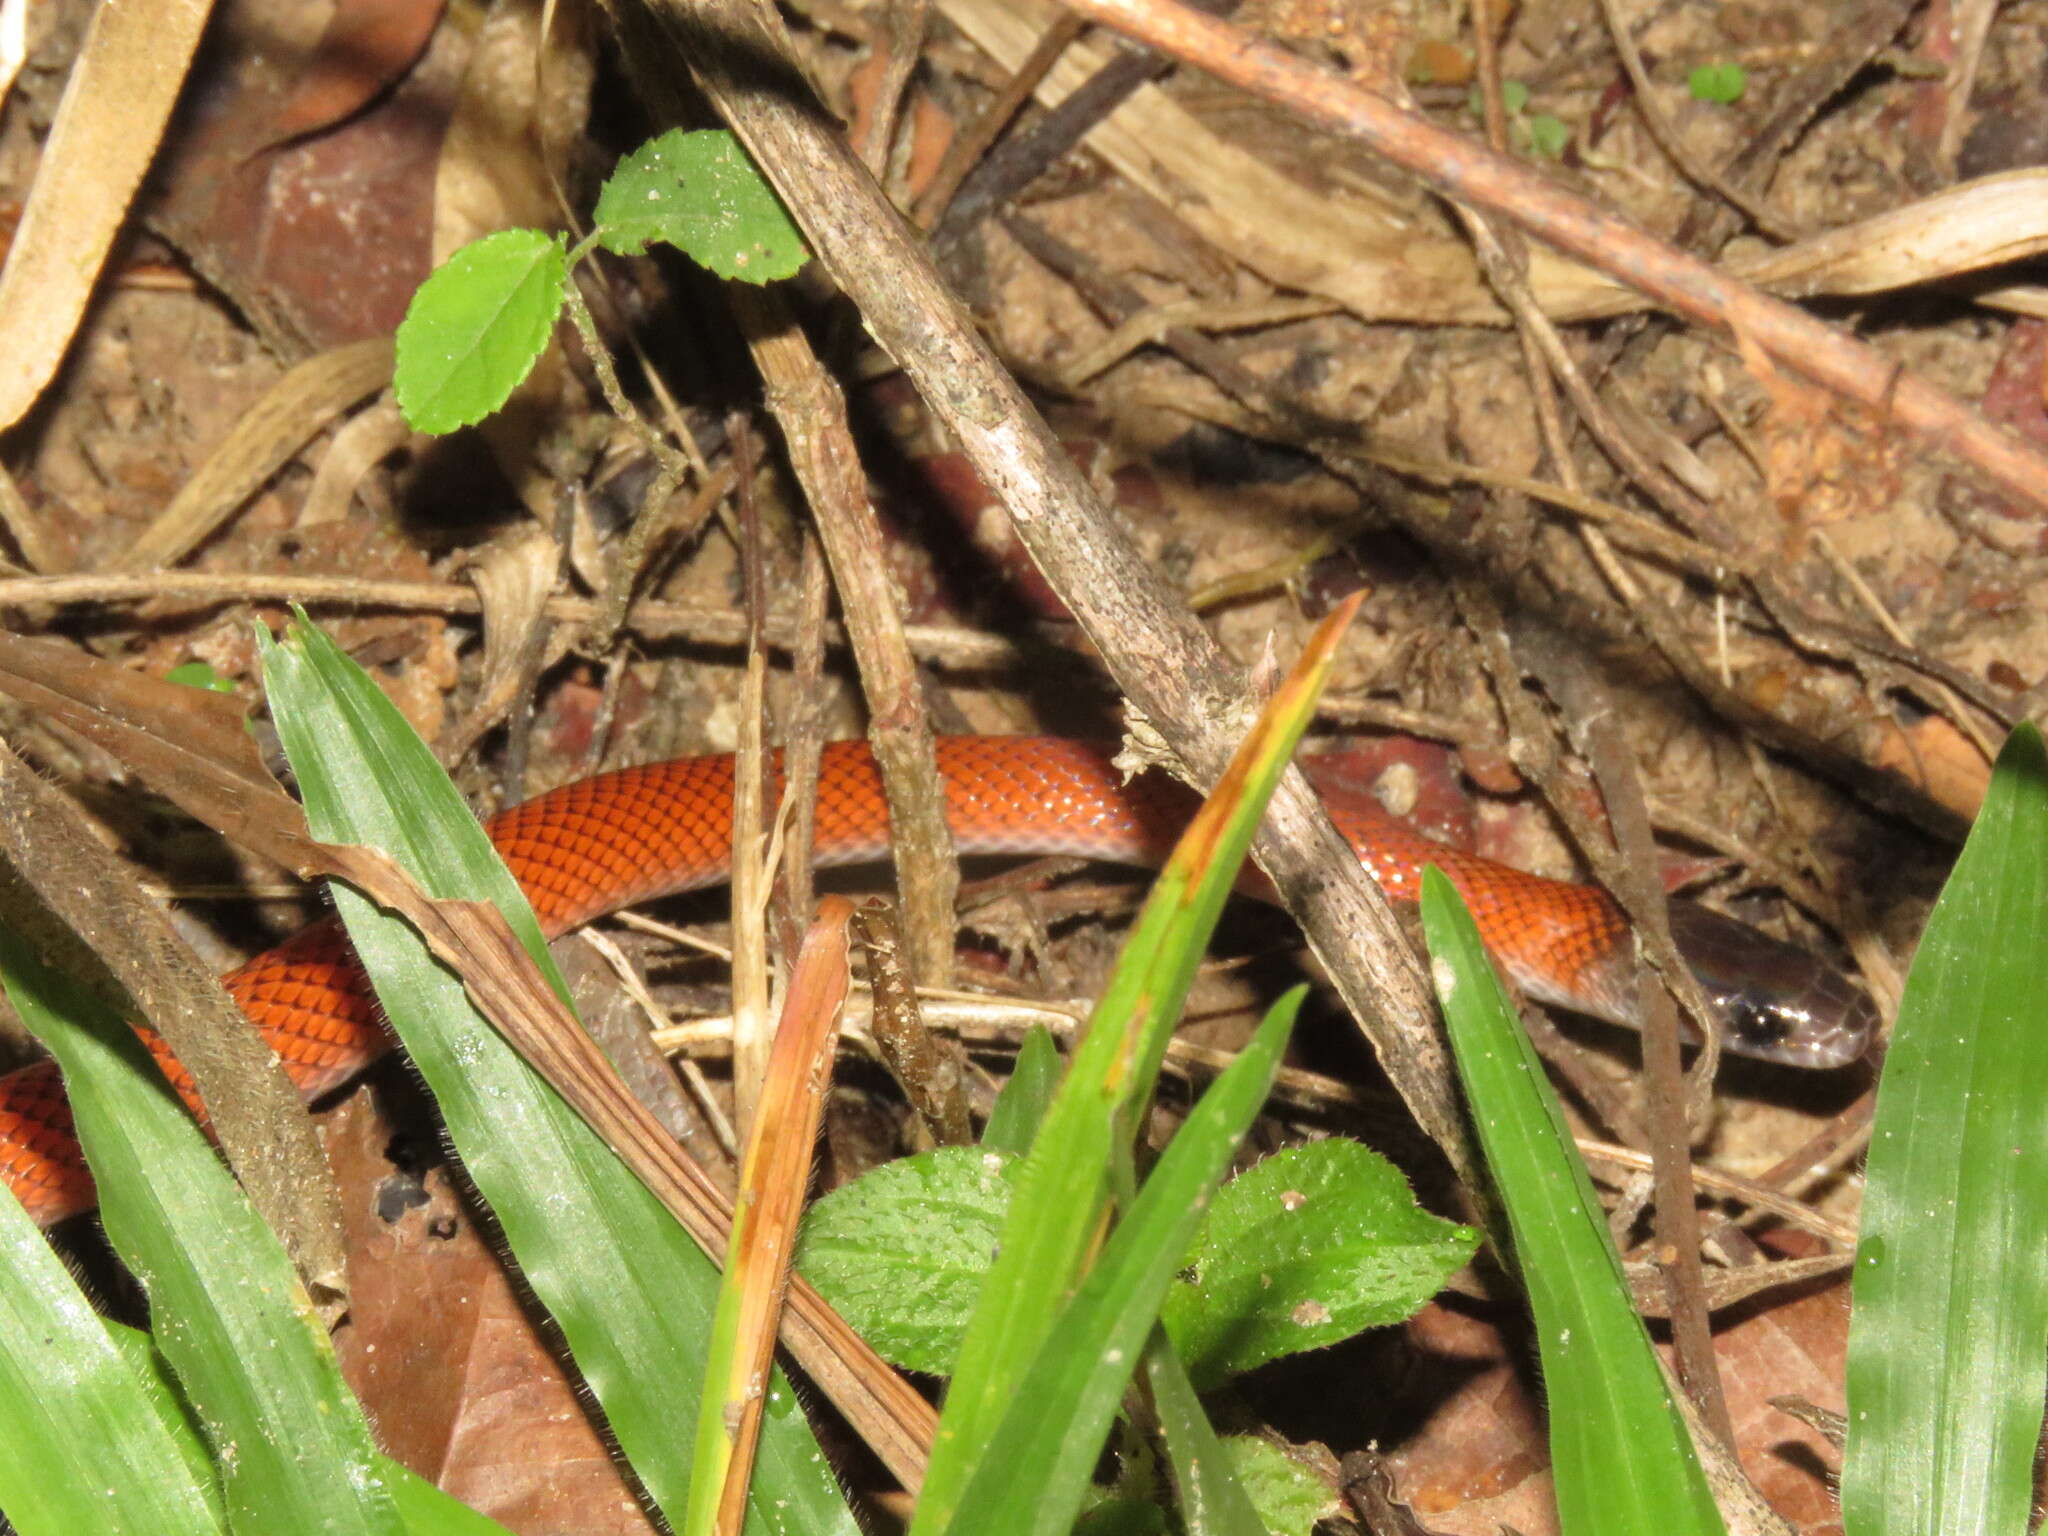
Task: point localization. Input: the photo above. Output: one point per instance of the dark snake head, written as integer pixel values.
(1775, 1002)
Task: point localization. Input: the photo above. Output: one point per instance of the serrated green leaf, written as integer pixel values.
(1020, 1108)
(901, 1251)
(1289, 1497)
(1950, 1289)
(701, 194)
(475, 327)
(1309, 1246)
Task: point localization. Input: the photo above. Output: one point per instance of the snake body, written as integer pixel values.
(606, 842)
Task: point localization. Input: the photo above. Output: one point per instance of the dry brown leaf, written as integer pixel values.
(1480, 1459)
(359, 445)
(523, 98)
(114, 110)
(1939, 759)
(264, 228)
(1990, 222)
(513, 576)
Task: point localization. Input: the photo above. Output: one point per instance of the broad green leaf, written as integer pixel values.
(1308, 1247)
(1289, 1496)
(901, 1251)
(1037, 1470)
(250, 1352)
(1020, 1108)
(475, 327)
(1948, 1337)
(86, 1448)
(1305, 1248)
(701, 194)
(631, 1293)
(1623, 1462)
(1063, 1187)
(166, 1398)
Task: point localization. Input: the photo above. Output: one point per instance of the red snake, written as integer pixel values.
(602, 843)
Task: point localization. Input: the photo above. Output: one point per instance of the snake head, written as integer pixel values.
(1775, 1002)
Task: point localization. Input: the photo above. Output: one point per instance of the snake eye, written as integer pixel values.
(1755, 1023)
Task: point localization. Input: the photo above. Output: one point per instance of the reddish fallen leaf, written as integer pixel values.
(266, 228)
(1480, 1461)
(367, 48)
(444, 1355)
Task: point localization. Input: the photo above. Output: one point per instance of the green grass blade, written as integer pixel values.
(632, 1294)
(1020, 1108)
(1062, 1193)
(85, 1448)
(1212, 1501)
(1622, 1459)
(428, 1511)
(1036, 1474)
(1949, 1331)
(253, 1358)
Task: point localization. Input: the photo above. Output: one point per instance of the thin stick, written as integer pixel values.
(811, 411)
(966, 151)
(653, 620)
(753, 1033)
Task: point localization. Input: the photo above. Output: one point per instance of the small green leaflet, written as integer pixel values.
(1548, 135)
(1723, 83)
(1309, 1247)
(475, 327)
(700, 193)
(199, 674)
